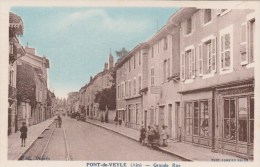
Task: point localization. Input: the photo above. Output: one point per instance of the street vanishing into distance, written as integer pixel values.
(89, 142)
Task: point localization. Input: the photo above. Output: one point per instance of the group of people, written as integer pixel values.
(153, 136)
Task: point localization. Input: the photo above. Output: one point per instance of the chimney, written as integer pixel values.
(105, 66)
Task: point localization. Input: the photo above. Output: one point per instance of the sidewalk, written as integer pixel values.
(186, 151)
(15, 151)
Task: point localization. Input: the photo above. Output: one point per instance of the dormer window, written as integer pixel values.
(207, 15)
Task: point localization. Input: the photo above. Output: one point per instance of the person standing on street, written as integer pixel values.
(142, 135)
(60, 121)
(23, 136)
(164, 136)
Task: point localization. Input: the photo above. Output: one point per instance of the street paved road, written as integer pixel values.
(88, 142)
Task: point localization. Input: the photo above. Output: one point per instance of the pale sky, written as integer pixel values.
(77, 40)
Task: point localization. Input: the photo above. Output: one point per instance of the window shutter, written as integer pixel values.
(182, 66)
(200, 66)
(243, 44)
(193, 56)
(222, 52)
(213, 54)
(205, 59)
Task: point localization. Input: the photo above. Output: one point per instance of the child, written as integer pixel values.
(23, 136)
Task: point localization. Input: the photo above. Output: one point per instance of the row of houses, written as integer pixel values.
(29, 99)
(88, 103)
(196, 76)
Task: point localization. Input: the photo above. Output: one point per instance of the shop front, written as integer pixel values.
(236, 119)
(198, 115)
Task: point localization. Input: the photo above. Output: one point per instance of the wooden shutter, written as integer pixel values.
(213, 54)
(204, 58)
(200, 66)
(222, 52)
(243, 44)
(182, 66)
(193, 56)
(227, 45)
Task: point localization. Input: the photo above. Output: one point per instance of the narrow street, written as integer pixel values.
(89, 142)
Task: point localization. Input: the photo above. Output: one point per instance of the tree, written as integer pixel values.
(121, 53)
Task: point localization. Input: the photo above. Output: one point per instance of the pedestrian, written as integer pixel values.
(56, 121)
(23, 136)
(150, 135)
(142, 135)
(60, 121)
(164, 136)
(156, 136)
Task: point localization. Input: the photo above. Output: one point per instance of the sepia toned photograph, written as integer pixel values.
(169, 84)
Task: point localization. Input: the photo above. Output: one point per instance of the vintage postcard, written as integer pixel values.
(129, 83)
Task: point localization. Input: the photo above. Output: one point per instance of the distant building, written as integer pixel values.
(32, 109)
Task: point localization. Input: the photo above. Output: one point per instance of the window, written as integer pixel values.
(164, 70)
(152, 76)
(152, 52)
(183, 66)
(139, 82)
(129, 65)
(204, 118)
(168, 67)
(207, 16)
(129, 84)
(165, 43)
(123, 90)
(136, 112)
(11, 48)
(188, 118)
(251, 120)
(251, 39)
(226, 45)
(139, 56)
(196, 119)
(134, 60)
(242, 119)
(126, 89)
(229, 119)
(189, 64)
(118, 91)
(134, 85)
(188, 28)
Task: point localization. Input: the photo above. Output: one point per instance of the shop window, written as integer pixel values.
(204, 119)
(242, 119)
(251, 119)
(196, 119)
(188, 118)
(229, 119)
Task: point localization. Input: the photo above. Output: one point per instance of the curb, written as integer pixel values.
(20, 156)
(160, 149)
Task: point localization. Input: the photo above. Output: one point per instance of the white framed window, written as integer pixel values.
(152, 76)
(182, 66)
(152, 52)
(164, 71)
(118, 91)
(139, 57)
(226, 49)
(134, 62)
(208, 55)
(189, 63)
(123, 90)
(190, 25)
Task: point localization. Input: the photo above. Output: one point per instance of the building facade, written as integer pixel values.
(217, 77)
(15, 52)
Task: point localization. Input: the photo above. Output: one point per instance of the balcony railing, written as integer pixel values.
(12, 92)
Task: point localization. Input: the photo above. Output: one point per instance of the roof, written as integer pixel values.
(15, 24)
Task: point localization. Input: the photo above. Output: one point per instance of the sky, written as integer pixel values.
(77, 41)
